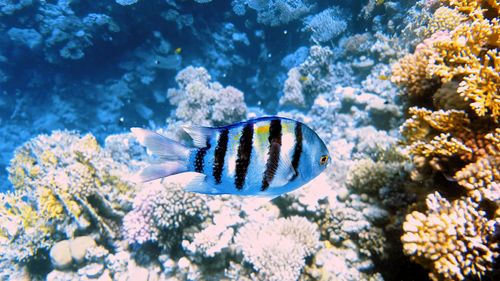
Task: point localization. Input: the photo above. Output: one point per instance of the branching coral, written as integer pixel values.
(309, 79)
(161, 207)
(457, 136)
(23, 231)
(411, 71)
(453, 240)
(70, 179)
(277, 249)
(204, 102)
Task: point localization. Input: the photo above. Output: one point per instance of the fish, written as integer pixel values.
(262, 157)
(303, 78)
(382, 77)
(178, 51)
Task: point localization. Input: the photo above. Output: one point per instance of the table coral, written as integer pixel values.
(454, 240)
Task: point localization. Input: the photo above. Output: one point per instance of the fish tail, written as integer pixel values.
(175, 154)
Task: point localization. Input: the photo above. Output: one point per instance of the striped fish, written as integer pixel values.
(267, 156)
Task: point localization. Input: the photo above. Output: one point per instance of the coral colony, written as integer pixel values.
(404, 94)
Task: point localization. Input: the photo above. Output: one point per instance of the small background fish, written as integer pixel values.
(267, 156)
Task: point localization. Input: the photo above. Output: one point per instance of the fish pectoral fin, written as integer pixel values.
(199, 134)
(199, 185)
(284, 172)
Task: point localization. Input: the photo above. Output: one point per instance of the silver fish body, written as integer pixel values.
(266, 156)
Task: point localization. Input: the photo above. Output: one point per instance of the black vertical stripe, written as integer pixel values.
(274, 153)
(244, 153)
(200, 158)
(298, 148)
(219, 154)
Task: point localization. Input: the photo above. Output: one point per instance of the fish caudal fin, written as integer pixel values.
(161, 146)
(175, 154)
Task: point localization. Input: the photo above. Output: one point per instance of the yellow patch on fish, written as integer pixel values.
(288, 128)
(261, 140)
(303, 79)
(177, 51)
(262, 130)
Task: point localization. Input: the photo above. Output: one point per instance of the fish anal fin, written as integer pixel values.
(199, 185)
(200, 135)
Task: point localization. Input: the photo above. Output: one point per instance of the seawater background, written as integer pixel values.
(60, 70)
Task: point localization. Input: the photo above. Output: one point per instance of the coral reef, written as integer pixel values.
(160, 207)
(309, 79)
(203, 102)
(277, 249)
(64, 184)
(454, 240)
(106, 67)
(274, 13)
(326, 25)
(70, 179)
(451, 83)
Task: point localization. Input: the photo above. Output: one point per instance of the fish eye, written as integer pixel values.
(323, 159)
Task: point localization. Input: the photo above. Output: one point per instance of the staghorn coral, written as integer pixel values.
(204, 102)
(278, 12)
(211, 240)
(71, 180)
(277, 249)
(453, 240)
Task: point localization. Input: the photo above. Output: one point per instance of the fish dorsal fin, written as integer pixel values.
(284, 172)
(200, 135)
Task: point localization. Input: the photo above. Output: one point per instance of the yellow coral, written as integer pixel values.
(411, 72)
(445, 19)
(494, 138)
(471, 55)
(423, 120)
(478, 178)
(453, 240)
(443, 146)
(70, 180)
